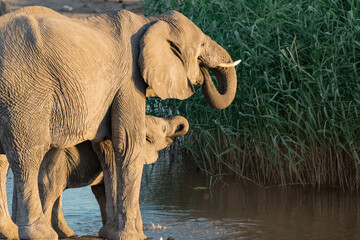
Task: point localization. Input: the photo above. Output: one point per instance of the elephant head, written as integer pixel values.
(174, 56)
(159, 134)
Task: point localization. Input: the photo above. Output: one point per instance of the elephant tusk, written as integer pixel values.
(226, 65)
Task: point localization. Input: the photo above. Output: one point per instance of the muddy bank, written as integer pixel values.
(87, 237)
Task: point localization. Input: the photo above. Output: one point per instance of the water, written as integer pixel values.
(171, 205)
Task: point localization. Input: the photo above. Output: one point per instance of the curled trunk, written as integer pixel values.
(180, 126)
(221, 97)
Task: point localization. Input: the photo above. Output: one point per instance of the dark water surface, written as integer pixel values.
(173, 205)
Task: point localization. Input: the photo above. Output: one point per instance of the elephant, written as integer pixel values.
(61, 79)
(8, 230)
(80, 166)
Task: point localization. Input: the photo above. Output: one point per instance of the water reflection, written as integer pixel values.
(241, 211)
(171, 206)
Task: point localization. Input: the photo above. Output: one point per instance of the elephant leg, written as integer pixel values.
(99, 193)
(130, 222)
(139, 224)
(8, 228)
(25, 162)
(105, 153)
(14, 203)
(128, 136)
(58, 221)
(52, 181)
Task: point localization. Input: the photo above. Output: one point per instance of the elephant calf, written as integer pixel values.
(80, 166)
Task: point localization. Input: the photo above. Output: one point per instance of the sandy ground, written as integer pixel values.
(79, 8)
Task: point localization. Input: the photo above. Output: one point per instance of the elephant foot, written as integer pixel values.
(110, 233)
(140, 231)
(106, 231)
(8, 229)
(126, 235)
(38, 231)
(64, 231)
(142, 236)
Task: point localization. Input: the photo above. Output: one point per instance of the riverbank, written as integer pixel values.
(87, 237)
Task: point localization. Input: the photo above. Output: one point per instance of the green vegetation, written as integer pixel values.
(296, 115)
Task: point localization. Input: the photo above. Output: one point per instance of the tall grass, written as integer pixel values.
(296, 115)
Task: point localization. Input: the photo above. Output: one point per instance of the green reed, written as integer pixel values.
(296, 115)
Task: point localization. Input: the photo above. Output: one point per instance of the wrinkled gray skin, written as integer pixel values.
(60, 76)
(79, 166)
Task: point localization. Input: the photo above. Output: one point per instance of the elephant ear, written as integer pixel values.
(161, 63)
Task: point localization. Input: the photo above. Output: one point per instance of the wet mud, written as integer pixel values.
(86, 237)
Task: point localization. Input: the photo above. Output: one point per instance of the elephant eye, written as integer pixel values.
(164, 129)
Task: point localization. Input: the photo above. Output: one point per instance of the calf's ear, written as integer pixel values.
(150, 155)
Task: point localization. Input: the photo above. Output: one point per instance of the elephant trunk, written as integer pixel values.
(221, 64)
(180, 126)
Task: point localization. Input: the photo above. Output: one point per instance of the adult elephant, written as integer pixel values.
(59, 77)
